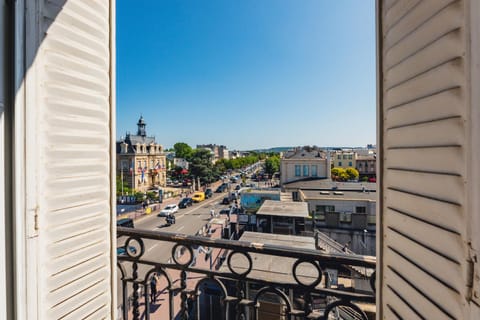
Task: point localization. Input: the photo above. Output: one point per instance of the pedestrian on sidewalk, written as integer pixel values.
(212, 213)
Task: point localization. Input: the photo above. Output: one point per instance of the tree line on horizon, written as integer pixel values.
(201, 166)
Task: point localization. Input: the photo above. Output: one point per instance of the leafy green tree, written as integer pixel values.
(272, 164)
(139, 196)
(182, 150)
(338, 173)
(223, 165)
(344, 176)
(201, 165)
(126, 186)
(352, 173)
(152, 196)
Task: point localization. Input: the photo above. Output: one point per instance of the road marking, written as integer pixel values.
(180, 228)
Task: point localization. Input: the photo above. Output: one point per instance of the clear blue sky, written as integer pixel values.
(248, 74)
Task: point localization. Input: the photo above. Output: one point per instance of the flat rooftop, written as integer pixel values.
(339, 195)
(284, 209)
(279, 269)
(327, 184)
(261, 191)
(273, 268)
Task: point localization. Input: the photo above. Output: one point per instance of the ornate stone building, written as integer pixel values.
(141, 162)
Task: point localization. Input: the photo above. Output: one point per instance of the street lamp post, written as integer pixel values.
(121, 178)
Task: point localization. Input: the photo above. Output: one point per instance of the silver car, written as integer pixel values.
(168, 210)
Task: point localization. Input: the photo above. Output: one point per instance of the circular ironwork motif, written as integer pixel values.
(354, 311)
(298, 277)
(248, 268)
(182, 249)
(134, 247)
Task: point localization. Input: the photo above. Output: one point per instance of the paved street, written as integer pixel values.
(188, 221)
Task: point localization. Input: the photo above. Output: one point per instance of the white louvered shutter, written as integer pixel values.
(70, 90)
(425, 143)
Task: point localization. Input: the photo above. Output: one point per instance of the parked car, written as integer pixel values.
(234, 210)
(238, 187)
(198, 196)
(168, 210)
(226, 200)
(126, 223)
(208, 193)
(222, 187)
(185, 202)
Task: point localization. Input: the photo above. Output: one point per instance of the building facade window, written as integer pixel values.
(323, 208)
(361, 209)
(340, 163)
(339, 157)
(297, 170)
(306, 170)
(350, 163)
(314, 171)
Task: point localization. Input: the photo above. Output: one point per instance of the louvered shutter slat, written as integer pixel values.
(424, 159)
(74, 123)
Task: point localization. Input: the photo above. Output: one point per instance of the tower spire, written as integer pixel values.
(141, 127)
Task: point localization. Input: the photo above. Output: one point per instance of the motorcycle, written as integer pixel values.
(170, 220)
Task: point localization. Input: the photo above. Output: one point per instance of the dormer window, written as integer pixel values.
(124, 148)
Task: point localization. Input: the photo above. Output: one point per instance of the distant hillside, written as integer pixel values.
(275, 149)
(283, 149)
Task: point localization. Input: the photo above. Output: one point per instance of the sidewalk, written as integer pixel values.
(159, 310)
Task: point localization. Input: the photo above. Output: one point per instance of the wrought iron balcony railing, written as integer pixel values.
(234, 285)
